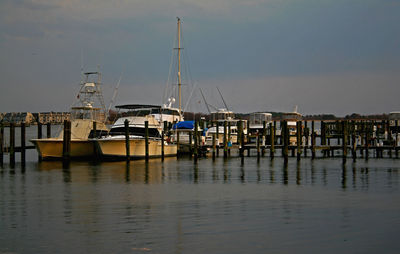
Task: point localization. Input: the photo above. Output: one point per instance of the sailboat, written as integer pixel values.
(114, 145)
(83, 118)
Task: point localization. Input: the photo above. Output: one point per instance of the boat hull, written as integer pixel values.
(115, 149)
(52, 148)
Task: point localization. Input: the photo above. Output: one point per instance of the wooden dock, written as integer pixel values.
(344, 138)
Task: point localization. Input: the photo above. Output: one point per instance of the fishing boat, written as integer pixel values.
(220, 117)
(84, 116)
(114, 145)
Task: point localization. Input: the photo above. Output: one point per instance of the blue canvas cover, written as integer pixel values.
(188, 125)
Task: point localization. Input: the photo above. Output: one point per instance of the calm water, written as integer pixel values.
(212, 207)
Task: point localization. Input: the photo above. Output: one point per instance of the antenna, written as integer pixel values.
(115, 94)
(222, 98)
(208, 108)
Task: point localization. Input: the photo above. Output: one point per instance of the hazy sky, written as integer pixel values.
(339, 56)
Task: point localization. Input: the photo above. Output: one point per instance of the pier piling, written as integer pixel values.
(127, 146)
(12, 145)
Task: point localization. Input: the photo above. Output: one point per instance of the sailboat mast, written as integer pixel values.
(179, 68)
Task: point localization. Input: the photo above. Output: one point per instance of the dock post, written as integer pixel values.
(396, 138)
(239, 137)
(323, 136)
(258, 146)
(1, 145)
(48, 130)
(23, 145)
(218, 141)
(389, 138)
(39, 135)
(299, 139)
(225, 140)
(306, 135)
(263, 138)
(191, 143)
(196, 141)
(313, 139)
(66, 143)
(344, 145)
(127, 143)
(285, 134)
(272, 137)
(164, 131)
(146, 138)
(213, 144)
(229, 139)
(12, 145)
(366, 140)
(353, 141)
(178, 145)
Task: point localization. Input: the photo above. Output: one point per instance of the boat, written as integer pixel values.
(220, 117)
(291, 118)
(84, 116)
(114, 146)
(256, 121)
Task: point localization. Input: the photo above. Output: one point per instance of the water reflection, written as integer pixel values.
(285, 174)
(344, 177)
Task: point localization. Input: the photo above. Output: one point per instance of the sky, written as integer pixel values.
(325, 56)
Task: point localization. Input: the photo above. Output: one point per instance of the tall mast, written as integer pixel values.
(179, 68)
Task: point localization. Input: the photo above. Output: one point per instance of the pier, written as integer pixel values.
(360, 139)
(348, 139)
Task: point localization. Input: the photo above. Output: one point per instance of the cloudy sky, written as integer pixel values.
(326, 56)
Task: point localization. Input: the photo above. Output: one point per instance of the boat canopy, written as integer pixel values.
(136, 106)
(184, 125)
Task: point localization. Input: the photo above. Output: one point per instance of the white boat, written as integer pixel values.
(114, 145)
(220, 117)
(83, 117)
(256, 121)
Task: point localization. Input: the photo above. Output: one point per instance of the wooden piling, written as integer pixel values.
(225, 141)
(146, 138)
(306, 135)
(23, 144)
(313, 139)
(367, 138)
(229, 139)
(1, 145)
(396, 138)
(258, 146)
(66, 142)
(39, 136)
(344, 141)
(178, 146)
(218, 141)
(191, 145)
(240, 137)
(48, 130)
(272, 140)
(213, 146)
(354, 141)
(285, 134)
(165, 129)
(127, 143)
(12, 145)
(299, 138)
(196, 140)
(263, 138)
(323, 136)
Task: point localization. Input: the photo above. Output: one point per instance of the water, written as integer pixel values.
(213, 207)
